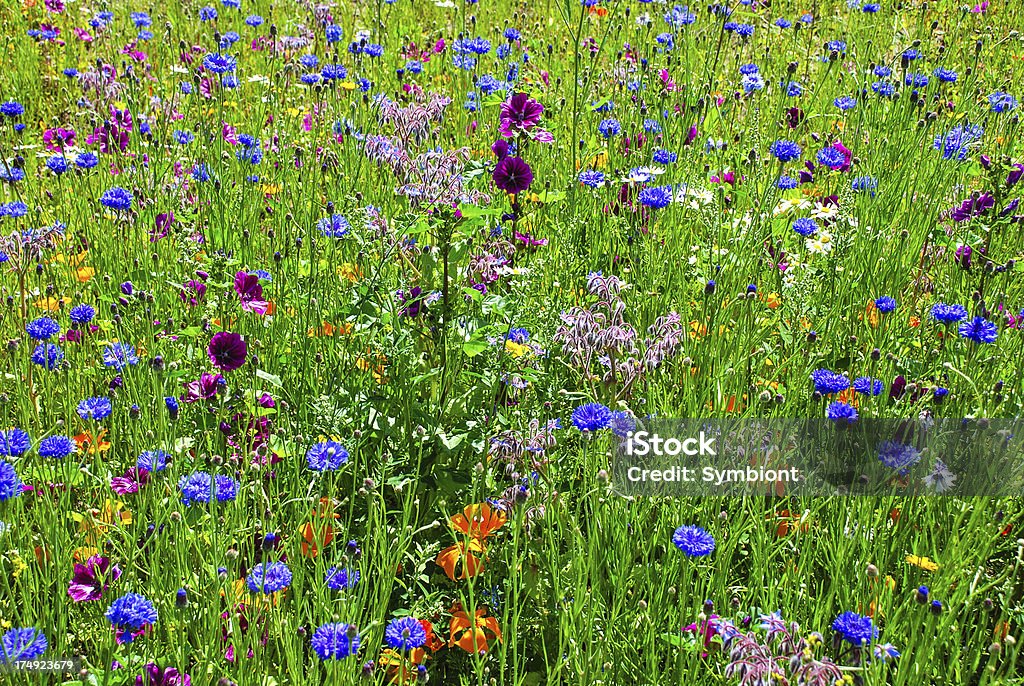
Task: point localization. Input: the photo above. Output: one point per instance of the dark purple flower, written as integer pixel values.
(973, 207)
(412, 302)
(1014, 176)
(163, 224)
(513, 175)
(92, 579)
(192, 292)
(227, 351)
(500, 148)
(962, 256)
(250, 292)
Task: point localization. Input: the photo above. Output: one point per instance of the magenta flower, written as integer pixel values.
(203, 388)
(519, 113)
(59, 139)
(130, 482)
(92, 579)
(168, 676)
(227, 351)
(250, 292)
(513, 175)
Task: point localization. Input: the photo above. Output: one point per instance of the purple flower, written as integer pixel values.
(168, 676)
(203, 388)
(519, 113)
(513, 175)
(227, 351)
(92, 579)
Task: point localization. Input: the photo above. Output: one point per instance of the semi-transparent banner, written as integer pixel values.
(799, 457)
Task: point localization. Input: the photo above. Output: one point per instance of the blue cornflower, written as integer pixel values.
(335, 641)
(948, 314)
(959, 141)
(783, 23)
(13, 209)
(141, 20)
(217, 63)
(845, 103)
(10, 484)
(885, 304)
(405, 633)
(747, 69)
(207, 13)
(664, 156)
(854, 628)
(940, 393)
(609, 127)
(82, 313)
(518, 335)
(333, 33)
(57, 164)
(415, 67)
(42, 329)
(865, 385)
(269, 577)
(12, 174)
(341, 578)
(841, 413)
(226, 488)
(870, 7)
(195, 488)
(310, 79)
(95, 408)
(131, 612)
(12, 109)
(793, 89)
(119, 356)
(14, 442)
(694, 541)
(622, 423)
(862, 184)
(335, 226)
(786, 183)
(254, 20)
(915, 80)
(831, 157)
(945, 75)
(1002, 102)
(838, 46)
(897, 455)
(657, 197)
(57, 446)
(827, 381)
(591, 178)
(152, 460)
(979, 330)
(786, 151)
(326, 456)
(752, 83)
(652, 126)
(117, 198)
(884, 89)
(48, 356)
(333, 71)
(22, 644)
(591, 417)
(183, 137)
(87, 160)
(805, 227)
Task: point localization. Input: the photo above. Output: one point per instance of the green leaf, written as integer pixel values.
(269, 378)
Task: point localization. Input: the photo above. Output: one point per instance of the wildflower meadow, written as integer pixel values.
(327, 329)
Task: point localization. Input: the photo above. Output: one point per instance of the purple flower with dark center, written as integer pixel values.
(227, 351)
(90, 580)
(513, 175)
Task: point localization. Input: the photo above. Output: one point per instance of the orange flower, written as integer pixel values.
(316, 536)
(402, 666)
(872, 314)
(915, 322)
(479, 521)
(788, 522)
(469, 553)
(93, 446)
(328, 329)
(473, 635)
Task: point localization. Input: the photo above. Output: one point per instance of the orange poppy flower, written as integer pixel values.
(318, 535)
(402, 666)
(479, 521)
(92, 445)
(469, 553)
(475, 634)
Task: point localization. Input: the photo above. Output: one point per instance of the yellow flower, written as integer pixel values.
(516, 349)
(350, 271)
(348, 85)
(925, 563)
(84, 274)
(50, 304)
